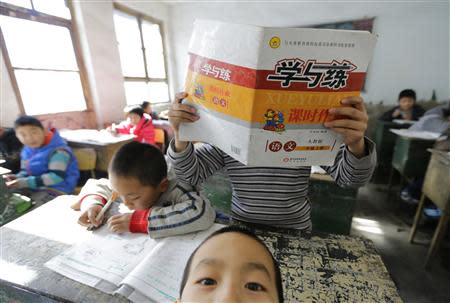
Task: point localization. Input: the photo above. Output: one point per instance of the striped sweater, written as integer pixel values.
(269, 195)
(179, 210)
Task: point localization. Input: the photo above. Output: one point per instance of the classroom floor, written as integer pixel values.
(388, 226)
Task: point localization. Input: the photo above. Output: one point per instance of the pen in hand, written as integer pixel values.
(101, 214)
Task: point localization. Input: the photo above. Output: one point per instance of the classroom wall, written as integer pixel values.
(9, 109)
(95, 25)
(412, 49)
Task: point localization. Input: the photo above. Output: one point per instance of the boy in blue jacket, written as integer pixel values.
(47, 162)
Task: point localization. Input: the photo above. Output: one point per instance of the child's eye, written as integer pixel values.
(207, 282)
(255, 286)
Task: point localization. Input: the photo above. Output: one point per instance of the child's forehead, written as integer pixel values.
(28, 128)
(248, 246)
(130, 181)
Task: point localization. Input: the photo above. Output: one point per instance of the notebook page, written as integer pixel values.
(105, 256)
(158, 277)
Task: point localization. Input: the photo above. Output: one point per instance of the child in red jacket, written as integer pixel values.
(137, 124)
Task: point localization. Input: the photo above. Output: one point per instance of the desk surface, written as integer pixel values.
(94, 137)
(326, 268)
(416, 135)
(4, 171)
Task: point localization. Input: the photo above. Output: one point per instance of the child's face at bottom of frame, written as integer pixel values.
(231, 267)
(134, 194)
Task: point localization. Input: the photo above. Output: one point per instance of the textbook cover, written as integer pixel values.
(263, 94)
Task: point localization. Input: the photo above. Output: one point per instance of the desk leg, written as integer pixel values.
(437, 237)
(391, 175)
(417, 218)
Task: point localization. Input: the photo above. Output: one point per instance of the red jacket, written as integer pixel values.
(144, 130)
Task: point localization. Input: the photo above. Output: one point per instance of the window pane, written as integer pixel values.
(130, 48)
(135, 92)
(50, 92)
(154, 92)
(22, 3)
(155, 65)
(53, 7)
(38, 45)
(153, 50)
(158, 92)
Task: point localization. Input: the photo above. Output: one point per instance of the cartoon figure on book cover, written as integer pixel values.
(274, 120)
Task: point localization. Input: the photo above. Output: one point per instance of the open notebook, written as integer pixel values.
(132, 265)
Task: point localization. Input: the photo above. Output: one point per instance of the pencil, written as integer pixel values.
(103, 211)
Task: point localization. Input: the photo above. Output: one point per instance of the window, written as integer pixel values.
(38, 50)
(142, 57)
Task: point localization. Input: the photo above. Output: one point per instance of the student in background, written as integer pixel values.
(161, 206)
(47, 162)
(10, 148)
(137, 124)
(275, 196)
(438, 122)
(407, 108)
(147, 107)
(219, 270)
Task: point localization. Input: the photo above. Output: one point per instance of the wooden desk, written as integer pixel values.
(385, 141)
(436, 187)
(321, 268)
(4, 171)
(104, 143)
(31, 240)
(410, 157)
(331, 213)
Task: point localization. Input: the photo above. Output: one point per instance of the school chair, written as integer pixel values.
(160, 137)
(436, 187)
(87, 158)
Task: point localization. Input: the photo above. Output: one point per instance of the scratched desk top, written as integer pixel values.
(318, 268)
(326, 268)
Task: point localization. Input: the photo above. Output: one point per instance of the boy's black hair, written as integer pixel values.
(446, 112)
(244, 231)
(27, 120)
(145, 104)
(407, 93)
(137, 111)
(144, 162)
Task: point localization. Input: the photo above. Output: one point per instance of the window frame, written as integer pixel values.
(10, 10)
(140, 16)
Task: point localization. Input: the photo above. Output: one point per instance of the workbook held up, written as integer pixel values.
(263, 94)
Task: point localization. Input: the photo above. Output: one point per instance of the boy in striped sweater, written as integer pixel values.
(161, 206)
(270, 195)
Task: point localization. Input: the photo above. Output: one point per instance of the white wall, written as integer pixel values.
(9, 109)
(101, 56)
(412, 50)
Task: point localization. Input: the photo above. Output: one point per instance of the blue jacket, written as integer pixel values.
(36, 160)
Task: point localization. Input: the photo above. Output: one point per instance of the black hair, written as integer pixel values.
(137, 111)
(144, 162)
(145, 104)
(244, 231)
(407, 93)
(446, 112)
(27, 120)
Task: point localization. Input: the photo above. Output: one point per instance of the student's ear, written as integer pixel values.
(164, 185)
